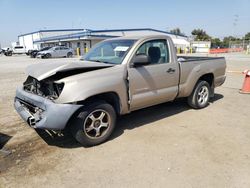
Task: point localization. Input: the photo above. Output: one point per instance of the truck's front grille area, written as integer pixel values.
(35, 113)
(31, 108)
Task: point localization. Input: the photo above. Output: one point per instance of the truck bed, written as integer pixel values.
(196, 58)
(193, 67)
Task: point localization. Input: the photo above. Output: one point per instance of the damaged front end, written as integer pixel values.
(46, 88)
(34, 102)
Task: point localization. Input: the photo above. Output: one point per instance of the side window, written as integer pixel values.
(157, 50)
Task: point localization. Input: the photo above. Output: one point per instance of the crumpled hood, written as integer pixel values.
(41, 71)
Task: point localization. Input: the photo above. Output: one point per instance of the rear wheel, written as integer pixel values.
(94, 123)
(199, 98)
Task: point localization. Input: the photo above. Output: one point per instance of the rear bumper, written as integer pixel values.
(42, 113)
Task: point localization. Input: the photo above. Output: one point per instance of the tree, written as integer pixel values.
(226, 41)
(201, 35)
(247, 36)
(176, 31)
(216, 42)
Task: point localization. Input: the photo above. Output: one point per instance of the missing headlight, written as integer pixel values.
(58, 88)
(45, 88)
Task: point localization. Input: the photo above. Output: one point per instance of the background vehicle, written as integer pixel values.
(34, 53)
(6, 51)
(57, 51)
(18, 50)
(29, 52)
(118, 76)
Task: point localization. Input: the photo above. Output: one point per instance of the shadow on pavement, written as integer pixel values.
(126, 122)
(63, 139)
(216, 97)
(4, 138)
(149, 115)
(152, 114)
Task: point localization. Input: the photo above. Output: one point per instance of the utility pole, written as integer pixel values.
(235, 22)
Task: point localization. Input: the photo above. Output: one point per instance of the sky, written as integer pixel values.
(217, 17)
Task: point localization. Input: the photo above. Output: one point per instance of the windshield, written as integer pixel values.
(46, 48)
(112, 51)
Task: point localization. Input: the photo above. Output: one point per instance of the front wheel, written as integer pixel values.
(199, 98)
(69, 54)
(94, 124)
(47, 56)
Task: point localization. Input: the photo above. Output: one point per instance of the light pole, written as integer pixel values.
(235, 22)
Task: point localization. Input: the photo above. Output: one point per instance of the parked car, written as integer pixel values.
(34, 53)
(19, 50)
(29, 52)
(117, 76)
(6, 51)
(57, 51)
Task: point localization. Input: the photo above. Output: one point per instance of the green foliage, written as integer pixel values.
(215, 42)
(176, 31)
(247, 36)
(200, 35)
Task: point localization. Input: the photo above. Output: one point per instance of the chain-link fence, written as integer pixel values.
(239, 44)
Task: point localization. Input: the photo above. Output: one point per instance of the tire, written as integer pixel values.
(91, 118)
(200, 96)
(47, 56)
(9, 54)
(69, 54)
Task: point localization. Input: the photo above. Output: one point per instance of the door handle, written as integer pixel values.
(170, 70)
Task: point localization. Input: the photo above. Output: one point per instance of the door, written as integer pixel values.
(156, 82)
(63, 51)
(56, 52)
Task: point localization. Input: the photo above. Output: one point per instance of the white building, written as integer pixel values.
(201, 46)
(28, 40)
(86, 38)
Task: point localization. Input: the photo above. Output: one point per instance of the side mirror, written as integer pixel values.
(140, 60)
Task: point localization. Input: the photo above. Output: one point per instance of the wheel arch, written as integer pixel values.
(111, 98)
(208, 77)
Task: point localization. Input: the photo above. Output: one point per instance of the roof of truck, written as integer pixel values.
(137, 37)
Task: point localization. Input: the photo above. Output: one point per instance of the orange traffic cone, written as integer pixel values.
(246, 85)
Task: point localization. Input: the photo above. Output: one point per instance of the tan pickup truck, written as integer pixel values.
(116, 77)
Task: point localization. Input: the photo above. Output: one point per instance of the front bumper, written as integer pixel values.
(40, 55)
(42, 113)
